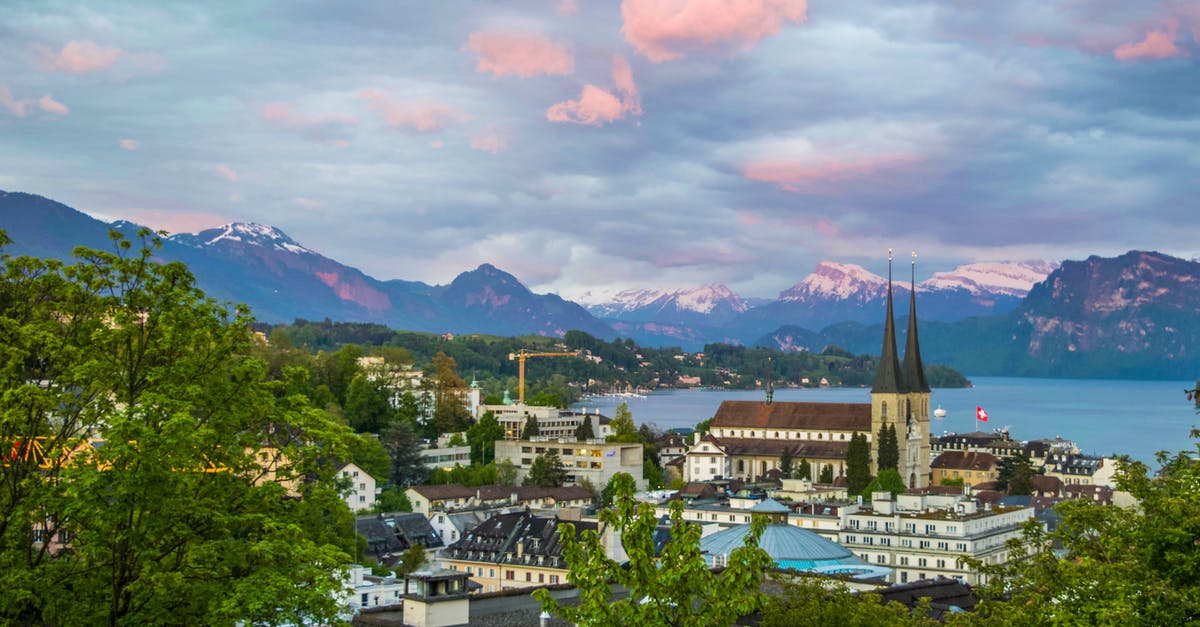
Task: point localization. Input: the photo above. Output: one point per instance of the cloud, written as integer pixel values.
(424, 117)
(309, 203)
(492, 141)
(49, 104)
(226, 172)
(1157, 44)
(19, 107)
(597, 106)
(567, 8)
(77, 57)
(130, 144)
(330, 128)
(520, 55)
(814, 171)
(668, 29)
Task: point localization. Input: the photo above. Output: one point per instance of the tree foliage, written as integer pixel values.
(677, 588)
(622, 425)
(171, 519)
(482, 437)
(1017, 473)
(531, 429)
(584, 431)
(888, 481)
(889, 447)
(785, 463)
(368, 405)
(858, 464)
(404, 447)
(826, 474)
(547, 471)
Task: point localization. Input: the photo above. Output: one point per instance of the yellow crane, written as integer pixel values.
(521, 356)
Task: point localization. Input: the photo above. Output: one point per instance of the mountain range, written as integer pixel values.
(1129, 316)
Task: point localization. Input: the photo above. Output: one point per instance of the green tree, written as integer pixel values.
(785, 462)
(482, 437)
(404, 447)
(810, 601)
(368, 406)
(545, 399)
(622, 425)
(805, 469)
(889, 447)
(674, 587)
(411, 560)
(888, 481)
(1017, 473)
(171, 519)
(826, 474)
(368, 453)
(449, 413)
(531, 429)
(392, 499)
(546, 471)
(858, 464)
(506, 473)
(952, 481)
(652, 474)
(584, 431)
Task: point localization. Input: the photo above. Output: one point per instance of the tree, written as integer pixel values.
(531, 429)
(584, 431)
(652, 474)
(805, 470)
(405, 449)
(826, 474)
(785, 462)
(506, 473)
(482, 437)
(858, 464)
(622, 425)
(392, 499)
(171, 519)
(889, 447)
(368, 407)
(547, 471)
(1130, 566)
(888, 481)
(411, 560)
(449, 414)
(368, 453)
(1017, 473)
(811, 601)
(671, 587)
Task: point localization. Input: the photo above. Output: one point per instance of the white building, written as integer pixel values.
(595, 460)
(442, 455)
(923, 536)
(552, 422)
(364, 590)
(362, 492)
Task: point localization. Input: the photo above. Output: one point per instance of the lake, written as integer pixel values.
(1137, 418)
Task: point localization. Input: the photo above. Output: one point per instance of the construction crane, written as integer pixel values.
(521, 356)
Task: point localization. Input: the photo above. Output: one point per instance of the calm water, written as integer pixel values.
(1137, 418)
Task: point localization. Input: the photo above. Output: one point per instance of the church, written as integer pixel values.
(748, 439)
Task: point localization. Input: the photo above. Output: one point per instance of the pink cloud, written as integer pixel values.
(519, 55)
(801, 175)
(330, 128)
(596, 105)
(492, 141)
(49, 104)
(827, 228)
(437, 144)
(309, 203)
(19, 107)
(129, 144)
(422, 117)
(1157, 44)
(567, 7)
(173, 221)
(77, 57)
(226, 172)
(667, 29)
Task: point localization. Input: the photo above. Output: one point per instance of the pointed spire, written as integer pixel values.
(914, 370)
(887, 378)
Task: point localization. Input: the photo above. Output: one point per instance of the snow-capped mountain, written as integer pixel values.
(707, 305)
(837, 282)
(1007, 278)
(242, 233)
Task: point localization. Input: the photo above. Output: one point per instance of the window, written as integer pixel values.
(921, 562)
(362, 499)
(355, 474)
(364, 599)
(491, 572)
(469, 571)
(509, 575)
(903, 576)
(941, 563)
(881, 559)
(924, 544)
(528, 576)
(943, 546)
(553, 579)
(362, 486)
(962, 546)
(541, 577)
(904, 561)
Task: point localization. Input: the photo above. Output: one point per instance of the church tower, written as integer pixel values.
(889, 393)
(915, 444)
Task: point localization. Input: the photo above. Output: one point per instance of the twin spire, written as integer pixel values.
(891, 377)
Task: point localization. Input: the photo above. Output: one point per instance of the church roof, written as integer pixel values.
(799, 449)
(788, 415)
(887, 377)
(913, 371)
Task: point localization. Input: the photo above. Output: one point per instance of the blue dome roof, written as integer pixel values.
(792, 547)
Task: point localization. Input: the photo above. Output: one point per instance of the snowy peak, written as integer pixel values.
(706, 298)
(1008, 278)
(837, 281)
(703, 300)
(242, 232)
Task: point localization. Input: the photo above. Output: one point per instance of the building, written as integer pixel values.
(923, 536)
(997, 443)
(513, 550)
(388, 536)
(364, 590)
(748, 439)
(426, 499)
(552, 422)
(973, 468)
(362, 492)
(445, 456)
(453, 523)
(1074, 469)
(595, 460)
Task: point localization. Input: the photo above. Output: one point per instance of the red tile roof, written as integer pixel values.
(785, 415)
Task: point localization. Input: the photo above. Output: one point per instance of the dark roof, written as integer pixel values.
(514, 538)
(913, 371)
(887, 376)
(965, 460)
(444, 492)
(800, 449)
(388, 535)
(697, 489)
(943, 594)
(788, 415)
(1046, 486)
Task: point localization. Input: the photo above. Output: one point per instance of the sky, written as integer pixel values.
(586, 146)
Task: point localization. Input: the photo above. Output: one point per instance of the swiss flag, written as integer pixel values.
(980, 414)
